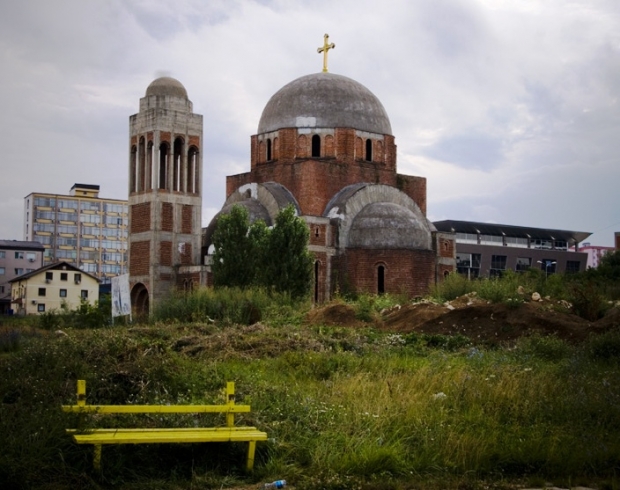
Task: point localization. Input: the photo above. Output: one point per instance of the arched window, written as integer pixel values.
(177, 166)
(164, 150)
(141, 166)
(192, 169)
(369, 150)
(133, 169)
(149, 165)
(316, 146)
(268, 150)
(316, 281)
(381, 279)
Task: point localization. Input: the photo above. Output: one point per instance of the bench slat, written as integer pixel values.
(130, 436)
(156, 408)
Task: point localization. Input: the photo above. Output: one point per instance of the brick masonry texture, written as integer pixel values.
(140, 217)
(139, 258)
(186, 219)
(186, 254)
(167, 216)
(406, 271)
(165, 253)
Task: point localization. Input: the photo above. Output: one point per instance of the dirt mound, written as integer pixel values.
(502, 323)
(335, 314)
(477, 319)
(410, 317)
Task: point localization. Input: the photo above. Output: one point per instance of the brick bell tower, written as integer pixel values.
(165, 196)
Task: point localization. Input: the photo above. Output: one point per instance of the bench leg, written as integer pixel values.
(251, 451)
(97, 457)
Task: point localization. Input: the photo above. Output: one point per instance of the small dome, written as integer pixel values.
(166, 86)
(325, 100)
(388, 225)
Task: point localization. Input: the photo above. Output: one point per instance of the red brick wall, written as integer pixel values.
(414, 187)
(139, 258)
(140, 217)
(167, 216)
(186, 255)
(186, 219)
(314, 182)
(317, 234)
(446, 248)
(411, 272)
(165, 253)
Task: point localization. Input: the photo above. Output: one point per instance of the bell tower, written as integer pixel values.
(165, 195)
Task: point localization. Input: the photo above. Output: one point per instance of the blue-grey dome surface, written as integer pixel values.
(325, 100)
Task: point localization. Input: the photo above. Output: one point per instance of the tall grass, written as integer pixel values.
(226, 305)
(343, 408)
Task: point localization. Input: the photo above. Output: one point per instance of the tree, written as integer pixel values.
(234, 259)
(287, 262)
(254, 255)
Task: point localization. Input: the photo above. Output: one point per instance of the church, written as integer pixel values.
(324, 145)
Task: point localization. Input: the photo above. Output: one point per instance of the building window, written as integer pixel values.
(498, 265)
(268, 149)
(77, 278)
(49, 276)
(2, 254)
(64, 276)
(84, 294)
(316, 146)
(41, 291)
(2, 271)
(19, 255)
(468, 265)
(63, 293)
(369, 150)
(1, 289)
(41, 307)
(19, 271)
(523, 264)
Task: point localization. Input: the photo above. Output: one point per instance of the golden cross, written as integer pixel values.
(326, 47)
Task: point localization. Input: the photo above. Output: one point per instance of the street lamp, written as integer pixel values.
(547, 263)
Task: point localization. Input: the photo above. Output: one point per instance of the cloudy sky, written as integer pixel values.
(508, 107)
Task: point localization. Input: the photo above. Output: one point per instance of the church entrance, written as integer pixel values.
(140, 300)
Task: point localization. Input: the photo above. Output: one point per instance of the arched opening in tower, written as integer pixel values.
(369, 150)
(164, 150)
(140, 300)
(178, 164)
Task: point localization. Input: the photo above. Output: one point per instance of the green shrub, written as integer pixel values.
(604, 346)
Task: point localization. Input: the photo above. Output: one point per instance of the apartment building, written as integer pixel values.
(51, 287)
(81, 228)
(489, 249)
(16, 258)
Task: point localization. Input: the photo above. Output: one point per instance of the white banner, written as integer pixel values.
(121, 299)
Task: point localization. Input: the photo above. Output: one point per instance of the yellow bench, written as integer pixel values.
(98, 437)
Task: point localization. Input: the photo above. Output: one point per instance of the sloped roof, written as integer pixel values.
(54, 266)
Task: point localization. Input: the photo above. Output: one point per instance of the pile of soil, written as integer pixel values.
(477, 319)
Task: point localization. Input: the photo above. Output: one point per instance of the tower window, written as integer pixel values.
(177, 165)
(316, 146)
(163, 166)
(369, 150)
(268, 149)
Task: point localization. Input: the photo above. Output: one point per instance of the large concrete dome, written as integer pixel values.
(166, 86)
(385, 225)
(325, 100)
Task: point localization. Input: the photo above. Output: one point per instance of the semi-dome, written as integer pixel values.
(325, 100)
(166, 86)
(385, 225)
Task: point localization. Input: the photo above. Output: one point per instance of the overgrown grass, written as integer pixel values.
(344, 408)
(226, 305)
